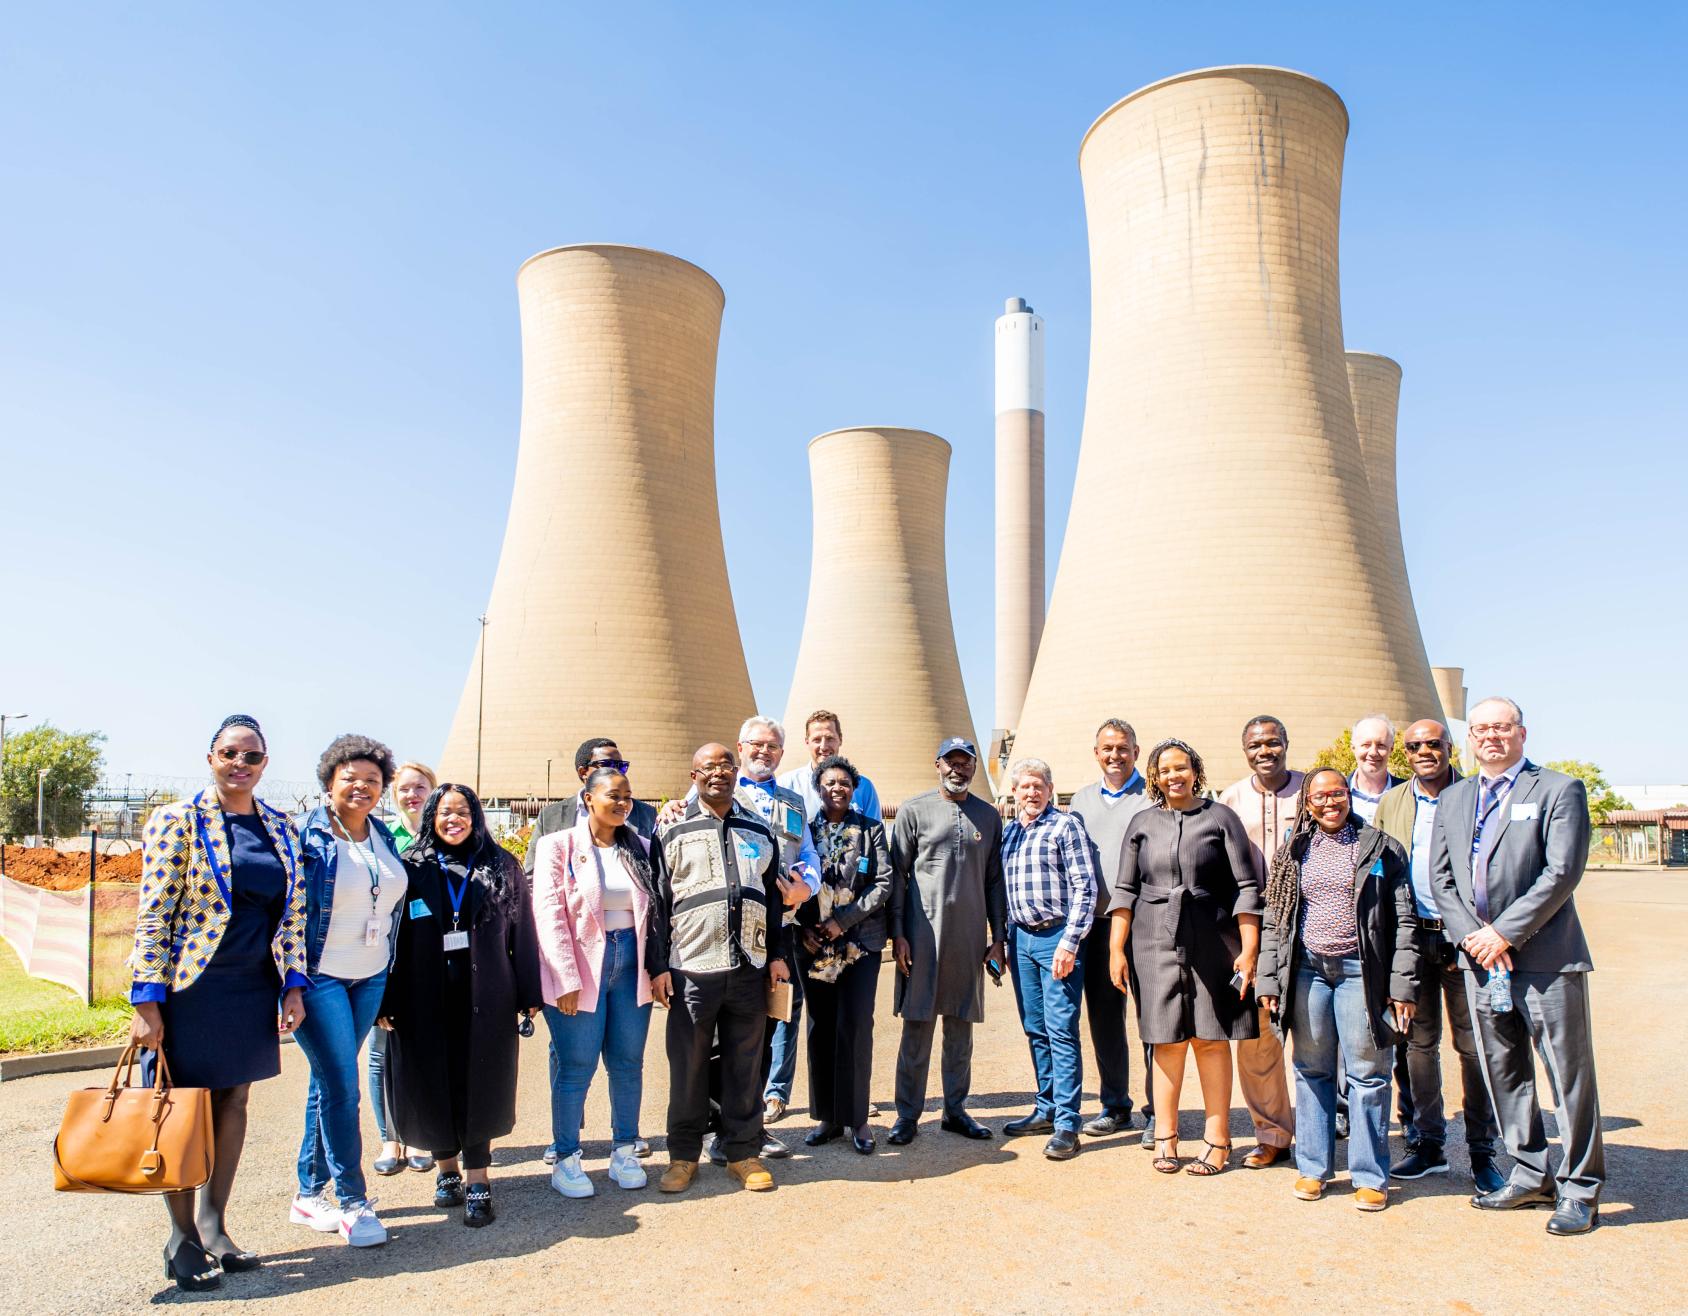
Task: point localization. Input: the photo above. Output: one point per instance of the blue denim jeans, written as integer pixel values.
(1329, 1020)
(616, 1031)
(785, 1046)
(377, 1067)
(1049, 1011)
(338, 1016)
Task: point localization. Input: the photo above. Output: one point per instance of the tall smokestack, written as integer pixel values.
(1019, 505)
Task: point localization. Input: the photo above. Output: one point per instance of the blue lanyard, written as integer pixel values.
(455, 892)
(289, 863)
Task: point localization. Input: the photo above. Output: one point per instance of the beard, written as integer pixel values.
(954, 783)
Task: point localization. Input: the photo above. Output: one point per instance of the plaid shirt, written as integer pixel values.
(1049, 873)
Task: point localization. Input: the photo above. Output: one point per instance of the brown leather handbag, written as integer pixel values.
(121, 1139)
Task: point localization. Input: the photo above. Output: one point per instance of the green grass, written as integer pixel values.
(37, 1015)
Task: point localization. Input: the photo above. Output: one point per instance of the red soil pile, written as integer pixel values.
(67, 870)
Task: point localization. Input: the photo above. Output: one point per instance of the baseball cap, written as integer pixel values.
(958, 742)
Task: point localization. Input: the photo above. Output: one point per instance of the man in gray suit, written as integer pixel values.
(1508, 848)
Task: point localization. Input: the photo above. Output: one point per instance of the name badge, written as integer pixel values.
(793, 821)
(861, 864)
(455, 941)
(372, 930)
(1525, 812)
(419, 909)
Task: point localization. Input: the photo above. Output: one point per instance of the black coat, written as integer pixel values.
(1386, 918)
(504, 954)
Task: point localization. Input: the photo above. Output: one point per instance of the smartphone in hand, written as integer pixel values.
(1239, 984)
(995, 971)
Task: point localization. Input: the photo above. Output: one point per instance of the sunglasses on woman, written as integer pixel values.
(250, 757)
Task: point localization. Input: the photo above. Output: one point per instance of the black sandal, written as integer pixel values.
(191, 1268)
(1166, 1164)
(1203, 1168)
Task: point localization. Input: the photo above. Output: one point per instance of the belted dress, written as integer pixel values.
(1186, 875)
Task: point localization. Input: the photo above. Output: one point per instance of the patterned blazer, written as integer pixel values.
(182, 913)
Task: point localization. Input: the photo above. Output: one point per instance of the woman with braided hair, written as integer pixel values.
(1338, 947)
(1187, 903)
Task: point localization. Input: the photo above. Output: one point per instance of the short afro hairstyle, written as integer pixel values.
(347, 749)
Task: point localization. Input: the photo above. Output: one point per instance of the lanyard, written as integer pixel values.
(364, 855)
(455, 892)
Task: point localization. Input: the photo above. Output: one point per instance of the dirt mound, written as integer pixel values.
(59, 870)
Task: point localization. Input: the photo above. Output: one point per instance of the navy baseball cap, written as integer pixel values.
(958, 742)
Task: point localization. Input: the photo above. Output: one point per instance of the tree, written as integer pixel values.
(73, 760)
(1602, 799)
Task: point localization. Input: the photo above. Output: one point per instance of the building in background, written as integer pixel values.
(878, 645)
(1224, 555)
(610, 613)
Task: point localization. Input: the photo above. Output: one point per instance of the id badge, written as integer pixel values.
(372, 931)
(456, 941)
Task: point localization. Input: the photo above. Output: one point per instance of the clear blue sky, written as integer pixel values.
(259, 376)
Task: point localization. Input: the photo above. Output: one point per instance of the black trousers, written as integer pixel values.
(732, 1006)
(1104, 1010)
(840, 1037)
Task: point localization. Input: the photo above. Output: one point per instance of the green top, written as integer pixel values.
(401, 832)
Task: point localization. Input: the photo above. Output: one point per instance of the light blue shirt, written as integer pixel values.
(864, 801)
(808, 862)
(1364, 803)
(1123, 791)
(1424, 821)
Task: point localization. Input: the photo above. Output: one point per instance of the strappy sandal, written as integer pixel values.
(1166, 1164)
(1203, 1168)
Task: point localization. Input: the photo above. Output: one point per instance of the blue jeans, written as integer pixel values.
(338, 1016)
(616, 1031)
(1049, 1012)
(784, 1067)
(377, 1094)
(1329, 1018)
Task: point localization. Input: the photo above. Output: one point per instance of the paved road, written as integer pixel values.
(943, 1225)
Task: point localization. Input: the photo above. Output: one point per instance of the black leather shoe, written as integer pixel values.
(1108, 1122)
(421, 1163)
(477, 1206)
(863, 1142)
(1033, 1123)
(902, 1132)
(1062, 1147)
(965, 1125)
(192, 1268)
(1485, 1176)
(1147, 1141)
(1512, 1198)
(772, 1148)
(388, 1165)
(448, 1190)
(1342, 1124)
(1573, 1217)
(233, 1263)
(822, 1134)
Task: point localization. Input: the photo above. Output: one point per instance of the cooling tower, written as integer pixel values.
(610, 612)
(878, 648)
(1019, 504)
(1450, 689)
(1223, 555)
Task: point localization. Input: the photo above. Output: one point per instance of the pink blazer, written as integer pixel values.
(568, 911)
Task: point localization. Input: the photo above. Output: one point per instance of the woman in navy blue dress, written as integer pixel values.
(219, 941)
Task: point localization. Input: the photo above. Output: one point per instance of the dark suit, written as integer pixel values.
(1535, 845)
(561, 815)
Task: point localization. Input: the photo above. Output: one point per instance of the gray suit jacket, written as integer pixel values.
(560, 815)
(1537, 848)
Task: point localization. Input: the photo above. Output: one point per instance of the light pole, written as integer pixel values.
(480, 711)
(40, 796)
(4, 719)
(547, 781)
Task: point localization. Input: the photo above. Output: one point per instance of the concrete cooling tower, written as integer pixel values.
(878, 647)
(1450, 689)
(610, 612)
(1223, 555)
(1019, 504)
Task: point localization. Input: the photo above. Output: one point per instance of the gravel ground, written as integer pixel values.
(941, 1225)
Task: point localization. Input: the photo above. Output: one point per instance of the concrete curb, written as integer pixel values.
(59, 1062)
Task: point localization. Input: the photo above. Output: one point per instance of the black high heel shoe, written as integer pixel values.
(234, 1263)
(191, 1268)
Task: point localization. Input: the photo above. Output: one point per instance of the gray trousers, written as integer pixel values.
(1444, 982)
(914, 1061)
(1550, 1013)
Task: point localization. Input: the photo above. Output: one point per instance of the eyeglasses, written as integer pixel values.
(250, 757)
(1413, 746)
(614, 765)
(1328, 797)
(1494, 728)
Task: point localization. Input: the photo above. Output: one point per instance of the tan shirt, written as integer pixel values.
(1265, 817)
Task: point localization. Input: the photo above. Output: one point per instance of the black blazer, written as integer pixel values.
(866, 919)
(560, 815)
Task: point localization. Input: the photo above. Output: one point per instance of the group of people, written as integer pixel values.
(1348, 913)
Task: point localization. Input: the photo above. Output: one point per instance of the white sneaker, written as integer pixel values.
(626, 1170)
(361, 1227)
(570, 1180)
(317, 1211)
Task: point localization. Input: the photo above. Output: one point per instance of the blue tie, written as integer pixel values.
(1490, 801)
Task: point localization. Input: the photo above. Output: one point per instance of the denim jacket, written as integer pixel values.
(320, 853)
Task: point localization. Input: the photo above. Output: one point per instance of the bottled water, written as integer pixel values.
(1500, 990)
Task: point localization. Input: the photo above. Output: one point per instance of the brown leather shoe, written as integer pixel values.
(677, 1177)
(752, 1174)
(1264, 1155)
(1309, 1190)
(1370, 1199)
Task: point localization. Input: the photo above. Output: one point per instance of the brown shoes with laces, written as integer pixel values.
(677, 1177)
(1370, 1199)
(752, 1174)
(1309, 1190)
(1265, 1155)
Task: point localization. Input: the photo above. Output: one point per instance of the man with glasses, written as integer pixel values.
(598, 752)
(1408, 813)
(1508, 849)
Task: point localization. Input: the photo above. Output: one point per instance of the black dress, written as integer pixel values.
(220, 1030)
(1185, 875)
